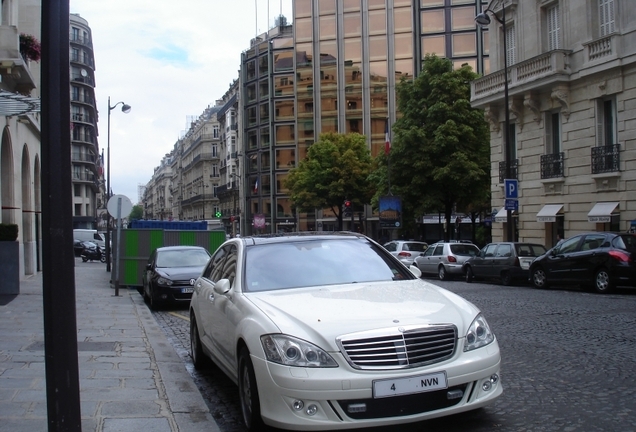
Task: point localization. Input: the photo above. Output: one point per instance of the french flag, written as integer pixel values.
(256, 186)
(387, 140)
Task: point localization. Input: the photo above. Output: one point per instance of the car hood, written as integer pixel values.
(176, 273)
(322, 314)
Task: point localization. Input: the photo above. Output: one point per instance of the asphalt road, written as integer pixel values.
(568, 362)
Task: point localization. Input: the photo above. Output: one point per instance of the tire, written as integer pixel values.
(539, 278)
(469, 274)
(84, 259)
(103, 258)
(155, 303)
(199, 359)
(506, 278)
(248, 393)
(441, 273)
(602, 281)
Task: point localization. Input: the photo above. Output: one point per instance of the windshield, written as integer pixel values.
(317, 262)
(182, 258)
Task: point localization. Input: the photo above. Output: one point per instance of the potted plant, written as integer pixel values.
(30, 47)
(9, 259)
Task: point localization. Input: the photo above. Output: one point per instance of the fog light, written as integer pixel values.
(454, 394)
(298, 405)
(486, 386)
(311, 410)
(357, 408)
(494, 378)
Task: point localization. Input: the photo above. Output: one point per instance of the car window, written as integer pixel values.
(229, 266)
(439, 250)
(464, 249)
(569, 245)
(504, 250)
(314, 262)
(530, 250)
(593, 241)
(625, 242)
(490, 250)
(214, 268)
(429, 251)
(182, 258)
(391, 247)
(415, 247)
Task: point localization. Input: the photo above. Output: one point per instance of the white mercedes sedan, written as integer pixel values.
(328, 331)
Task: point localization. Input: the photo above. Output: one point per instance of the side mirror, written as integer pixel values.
(415, 270)
(222, 286)
(148, 266)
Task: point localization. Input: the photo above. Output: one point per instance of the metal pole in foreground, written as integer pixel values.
(58, 261)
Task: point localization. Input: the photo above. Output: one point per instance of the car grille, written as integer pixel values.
(399, 348)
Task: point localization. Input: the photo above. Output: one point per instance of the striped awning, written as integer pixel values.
(15, 104)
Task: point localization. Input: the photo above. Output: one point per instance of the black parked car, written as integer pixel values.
(602, 260)
(506, 261)
(171, 272)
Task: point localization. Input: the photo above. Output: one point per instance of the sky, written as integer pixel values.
(169, 61)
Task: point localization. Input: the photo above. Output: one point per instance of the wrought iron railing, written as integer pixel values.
(606, 158)
(552, 165)
(514, 163)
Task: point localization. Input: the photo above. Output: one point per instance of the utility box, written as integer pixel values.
(138, 244)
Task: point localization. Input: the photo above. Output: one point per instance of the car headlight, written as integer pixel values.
(164, 281)
(291, 351)
(479, 334)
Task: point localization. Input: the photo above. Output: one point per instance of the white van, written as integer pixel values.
(90, 235)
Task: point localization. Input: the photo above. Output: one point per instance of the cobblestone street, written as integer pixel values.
(568, 362)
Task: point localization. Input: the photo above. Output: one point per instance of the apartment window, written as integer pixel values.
(77, 190)
(606, 9)
(606, 122)
(215, 131)
(553, 132)
(554, 28)
(510, 45)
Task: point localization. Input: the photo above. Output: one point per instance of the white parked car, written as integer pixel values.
(316, 340)
(406, 250)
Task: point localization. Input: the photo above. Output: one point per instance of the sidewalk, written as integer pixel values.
(131, 378)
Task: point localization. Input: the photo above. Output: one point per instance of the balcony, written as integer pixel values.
(606, 159)
(552, 165)
(513, 170)
(541, 71)
(14, 69)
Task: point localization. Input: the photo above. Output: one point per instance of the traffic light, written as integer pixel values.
(347, 209)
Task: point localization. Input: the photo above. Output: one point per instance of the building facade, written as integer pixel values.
(572, 91)
(87, 163)
(20, 154)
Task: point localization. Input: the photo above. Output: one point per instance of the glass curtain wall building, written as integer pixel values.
(336, 70)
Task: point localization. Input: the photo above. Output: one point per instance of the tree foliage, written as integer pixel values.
(336, 169)
(440, 148)
(136, 213)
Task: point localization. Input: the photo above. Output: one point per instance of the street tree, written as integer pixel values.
(440, 155)
(136, 213)
(336, 169)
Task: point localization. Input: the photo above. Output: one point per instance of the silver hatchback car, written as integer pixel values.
(446, 259)
(406, 250)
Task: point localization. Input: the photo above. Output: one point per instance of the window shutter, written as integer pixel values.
(600, 135)
(554, 29)
(510, 43)
(606, 17)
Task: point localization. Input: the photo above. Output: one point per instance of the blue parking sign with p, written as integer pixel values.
(512, 190)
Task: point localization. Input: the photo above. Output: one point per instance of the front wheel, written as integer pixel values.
(84, 259)
(539, 278)
(602, 282)
(248, 393)
(199, 360)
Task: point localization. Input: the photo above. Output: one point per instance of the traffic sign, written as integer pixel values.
(511, 204)
(512, 190)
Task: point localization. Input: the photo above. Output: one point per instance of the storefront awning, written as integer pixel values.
(549, 212)
(602, 212)
(502, 215)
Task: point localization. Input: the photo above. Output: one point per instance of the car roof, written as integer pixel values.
(172, 248)
(299, 236)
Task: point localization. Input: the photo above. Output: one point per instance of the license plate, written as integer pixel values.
(410, 385)
(187, 290)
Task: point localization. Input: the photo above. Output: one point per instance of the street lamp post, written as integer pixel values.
(126, 109)
(483, 20)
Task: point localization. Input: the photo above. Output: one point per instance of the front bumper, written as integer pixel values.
(343, 396)
(173, 294)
